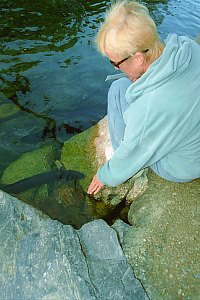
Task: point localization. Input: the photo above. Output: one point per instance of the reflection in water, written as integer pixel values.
(51, 127)
(48, 61)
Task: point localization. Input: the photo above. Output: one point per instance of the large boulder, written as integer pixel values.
(41, 258)
(85, 153)
(163, 243)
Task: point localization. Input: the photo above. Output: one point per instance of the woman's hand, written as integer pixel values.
(95, 186)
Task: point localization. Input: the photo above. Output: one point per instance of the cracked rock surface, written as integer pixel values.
(41, 258)
(164, 240)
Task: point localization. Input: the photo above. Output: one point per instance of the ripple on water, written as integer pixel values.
(182, 18)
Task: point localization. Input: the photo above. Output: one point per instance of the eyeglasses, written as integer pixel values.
(116, 65)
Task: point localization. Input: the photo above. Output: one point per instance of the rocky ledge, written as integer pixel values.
(43, 259)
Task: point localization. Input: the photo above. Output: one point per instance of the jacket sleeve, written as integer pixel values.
(143, 145)
(123, 166)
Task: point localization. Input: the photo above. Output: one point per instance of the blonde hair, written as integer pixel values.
(127, 29)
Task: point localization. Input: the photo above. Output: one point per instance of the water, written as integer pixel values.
(52, 78)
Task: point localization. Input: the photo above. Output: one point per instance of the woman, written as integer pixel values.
(153, 115)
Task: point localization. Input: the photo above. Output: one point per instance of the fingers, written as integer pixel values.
(98, 189)
(95, 186)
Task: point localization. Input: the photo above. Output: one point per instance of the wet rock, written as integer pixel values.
(86, 152)
(15, 131)
(7, 110)
(35, 180)
(66, 201)
(28, 164)
(43, 259)
(162, 245)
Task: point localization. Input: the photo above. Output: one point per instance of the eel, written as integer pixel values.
(42, 178)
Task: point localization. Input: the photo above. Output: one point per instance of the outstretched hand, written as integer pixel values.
(95, 186)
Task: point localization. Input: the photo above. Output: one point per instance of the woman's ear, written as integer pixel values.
(140, 58)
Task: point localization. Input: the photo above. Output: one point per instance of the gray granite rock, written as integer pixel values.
(43, 259)
(110, 274)
(163, 243)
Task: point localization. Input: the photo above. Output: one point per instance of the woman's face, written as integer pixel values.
(134, 66)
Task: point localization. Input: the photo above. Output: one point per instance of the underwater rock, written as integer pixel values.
(36, 179)
(7, 110)
(41, 258)
(163, 243)
(56, 173)
(32, 178)
(16, 132)
(29, 164)
(26, 166)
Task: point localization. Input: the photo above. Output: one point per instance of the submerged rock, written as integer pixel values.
(35, 179)
(17, 134)
(31, 179)
(27, 165)
(43, 259)
(7, 110)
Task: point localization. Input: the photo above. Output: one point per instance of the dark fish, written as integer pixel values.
(42, 178)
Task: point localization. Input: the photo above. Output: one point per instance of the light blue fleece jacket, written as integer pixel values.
(163, 119)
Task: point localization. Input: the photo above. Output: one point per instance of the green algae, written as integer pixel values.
(29, 164)
(61, 200)
(7, 110)
(78, 154)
